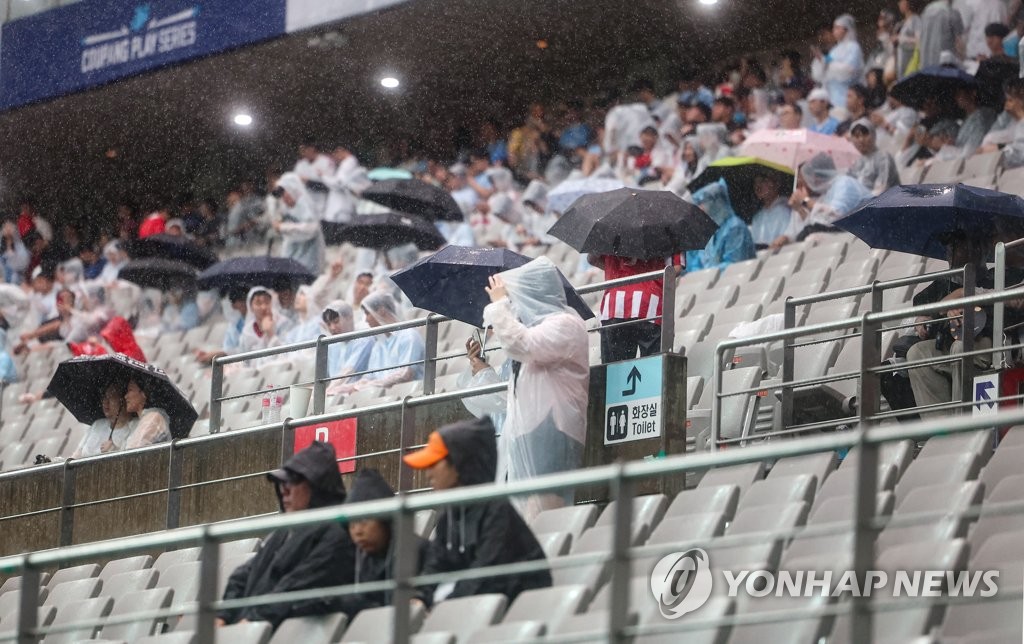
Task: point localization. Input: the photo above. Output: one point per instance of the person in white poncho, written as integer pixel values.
(545, 427)
(299, 226)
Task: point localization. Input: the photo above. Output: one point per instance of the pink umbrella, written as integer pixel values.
(792, 147)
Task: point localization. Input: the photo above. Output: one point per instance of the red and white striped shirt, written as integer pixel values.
(634, 301)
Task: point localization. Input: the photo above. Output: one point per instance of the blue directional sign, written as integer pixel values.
(986, 391)
(633, 401)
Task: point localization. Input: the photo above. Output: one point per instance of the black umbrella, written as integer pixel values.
(416, 197)
(640, 224)
(260, 270)
(172, 247)
(740, 173)
(162, 274)
(939, 82)
(451, 282)
(79, 384)
(386, 230)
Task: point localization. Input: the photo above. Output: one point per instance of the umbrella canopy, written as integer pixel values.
(790, 148)
(641, 224)
(79, 384)
(172, 247)
(939, 82)
(414, 197)
(386, 230)
(561, 196)
(451, 282)
(383, 174)
(915, 219)
(161, 274)
(739, 174)
(260, 270)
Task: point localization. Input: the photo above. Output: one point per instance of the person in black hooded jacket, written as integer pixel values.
(479, 535)
(302, 558)
(374, 554)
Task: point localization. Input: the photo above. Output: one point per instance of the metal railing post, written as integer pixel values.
(173, 486)
(406, 566)
(67, 503)
(966, 391)
(28, 604)
(287, 439)
(716, 399)
(430, 355)
(322, 373)
(998, 309)
(406, 437)
(618, 613)
(789, 322)
(208, 565)
(216, 391)
(668, 310)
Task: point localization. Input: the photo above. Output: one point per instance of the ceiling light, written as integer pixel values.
(390, 82)
(709, 2)
(243, 119)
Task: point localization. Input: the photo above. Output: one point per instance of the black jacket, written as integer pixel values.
(309, 557)
(369, 485)
(484, 534)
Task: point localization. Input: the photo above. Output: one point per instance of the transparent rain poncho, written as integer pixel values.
(301, 237)
(545, 427)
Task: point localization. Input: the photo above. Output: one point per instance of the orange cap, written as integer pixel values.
(434, 452)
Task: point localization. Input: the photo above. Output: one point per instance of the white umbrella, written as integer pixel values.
(564, 194)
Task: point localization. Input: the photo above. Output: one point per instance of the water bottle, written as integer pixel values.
(276, 401)
(266, 408)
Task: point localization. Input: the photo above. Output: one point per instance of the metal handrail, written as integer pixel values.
(621, 477)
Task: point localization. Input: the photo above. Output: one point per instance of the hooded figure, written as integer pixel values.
(116, 258)
(839, 194)
(732, 241)
(264, 325)
(345, 185)
(375, 546)
(302, 239)
(843, 65)
(475, 536)
(344, 358)
(396, 356)
(547, 342)
(876, 169)
(308, 557)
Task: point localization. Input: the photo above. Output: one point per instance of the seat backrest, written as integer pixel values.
(742, 476)
(247, 633)
(951, 468)
(126, 583)
(118, 566)
(183, 578)
(554, 544)
(72, 591)
(369, 624)
(548, 604)
(706, 498)
(647, 509)
(313, 629)
(780, 489)
(465, 615)
(172, 557)
(145, 600)
(239, 547)
(85, 610)
(75, 573)
(981, 443)
(572, 519)
(524, 631)
(768, 518)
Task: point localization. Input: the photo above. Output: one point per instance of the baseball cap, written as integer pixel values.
(433, 453)
(818, 94)
(283, 475)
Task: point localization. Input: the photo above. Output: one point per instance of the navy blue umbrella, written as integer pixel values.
(919, 219)
(260, 270)
(451, 282)
(938, 81)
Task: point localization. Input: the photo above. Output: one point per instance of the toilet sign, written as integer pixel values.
(632, 399)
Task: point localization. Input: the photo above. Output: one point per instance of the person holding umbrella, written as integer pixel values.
(299, 224)
(876, 170)
(545, 427)
(150, 425)
(732, 241)
(107, 434)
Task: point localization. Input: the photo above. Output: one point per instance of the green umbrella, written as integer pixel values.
(739, 174)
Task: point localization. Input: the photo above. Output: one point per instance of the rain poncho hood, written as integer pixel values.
(302, 239)
(536, 291)
(536, 193)
(369, 485)
(382, 306)
(317, 464)
(819, 173)
(714, 198)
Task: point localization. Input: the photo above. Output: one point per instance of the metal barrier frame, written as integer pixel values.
(621, 477)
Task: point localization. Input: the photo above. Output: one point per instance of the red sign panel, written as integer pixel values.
(340, 433)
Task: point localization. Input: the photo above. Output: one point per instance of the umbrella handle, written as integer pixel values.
(270, 246)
